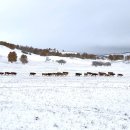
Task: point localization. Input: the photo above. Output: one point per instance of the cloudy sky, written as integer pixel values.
(75, 25)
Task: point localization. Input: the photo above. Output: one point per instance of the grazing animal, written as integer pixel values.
(94, 74)
(102, 74)
(58, 74)
(119, 75)
(111, 73)
(32, 73)
(88, 74)
(55, 74)
(85, 74)
(65, 73)
(78, 74)
(44, 74)
(47, 74)
(1, 73)
(107, 75)
(7, 73)
(13, 73)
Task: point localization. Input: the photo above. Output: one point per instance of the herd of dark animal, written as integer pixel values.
(99, 74)
(66, 73)
(8, 73)
(51, 74)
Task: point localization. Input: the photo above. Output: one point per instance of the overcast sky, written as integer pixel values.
(78, 25)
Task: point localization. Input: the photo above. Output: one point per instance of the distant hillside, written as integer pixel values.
(55, 52)
(48, 51)
(4, 51)
(34, 59)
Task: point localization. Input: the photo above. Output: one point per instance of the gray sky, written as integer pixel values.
(78, 25)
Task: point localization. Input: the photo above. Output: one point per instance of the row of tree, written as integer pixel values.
(9, 45)
(119, 57)
(12, 57)
(54, 52)
(47, 52)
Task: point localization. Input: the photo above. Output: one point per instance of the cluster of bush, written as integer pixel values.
(127, 58)
(99, 63)
(119, 57)
(116, 57)
(12, 57)
(61, 61)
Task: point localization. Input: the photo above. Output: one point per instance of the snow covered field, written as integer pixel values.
(64, 103)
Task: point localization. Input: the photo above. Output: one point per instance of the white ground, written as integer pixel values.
(63, 103)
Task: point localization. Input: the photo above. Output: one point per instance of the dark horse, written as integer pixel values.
(32, 73)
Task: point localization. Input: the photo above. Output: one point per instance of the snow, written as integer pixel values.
(69, 52)
(63, 103)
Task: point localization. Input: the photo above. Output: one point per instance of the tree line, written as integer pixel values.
(46, 52)
(54, 52)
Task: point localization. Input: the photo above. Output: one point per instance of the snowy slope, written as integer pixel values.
(63, 103)
(4, 51)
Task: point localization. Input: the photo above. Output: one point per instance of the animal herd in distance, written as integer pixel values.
(66, 73)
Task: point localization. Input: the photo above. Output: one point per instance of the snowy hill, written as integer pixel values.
(4, 51)
(62, 102)
(48, 63)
